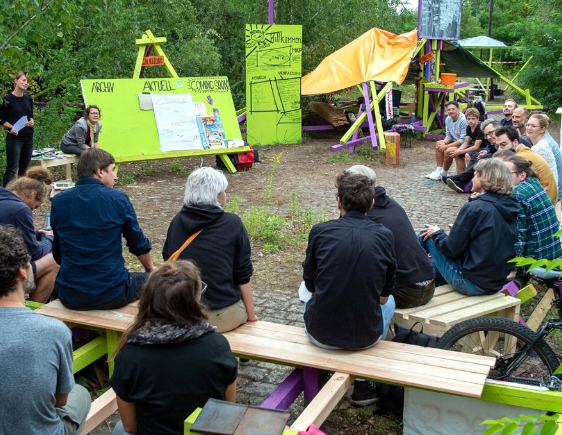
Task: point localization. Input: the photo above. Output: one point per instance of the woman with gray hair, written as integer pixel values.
(217, 242)
(473, 257)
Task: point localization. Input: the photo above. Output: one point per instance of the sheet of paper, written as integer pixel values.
(175, 119)
(20, 123)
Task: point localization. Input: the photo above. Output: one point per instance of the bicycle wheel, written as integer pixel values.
(503, 339)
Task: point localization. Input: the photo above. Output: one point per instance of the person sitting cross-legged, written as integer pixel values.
(349, 268)
(38, 395)
(88, 223)
(17, 201)
(473, 257)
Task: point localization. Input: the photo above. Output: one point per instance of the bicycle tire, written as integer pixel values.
(473, 336)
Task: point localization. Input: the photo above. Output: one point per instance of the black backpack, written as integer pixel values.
(482, 109)
(391, 397)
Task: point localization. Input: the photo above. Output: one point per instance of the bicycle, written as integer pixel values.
(522, 355)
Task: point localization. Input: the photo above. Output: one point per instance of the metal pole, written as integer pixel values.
(271, 14)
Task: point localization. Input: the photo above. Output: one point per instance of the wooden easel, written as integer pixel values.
(144, 60)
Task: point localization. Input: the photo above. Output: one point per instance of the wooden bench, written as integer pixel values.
(449, 307)
(434, 369)
(102, 408)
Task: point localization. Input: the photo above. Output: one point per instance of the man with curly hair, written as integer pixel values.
(38, 394)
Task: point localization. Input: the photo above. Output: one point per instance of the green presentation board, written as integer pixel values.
(273, 84)
(147, 119)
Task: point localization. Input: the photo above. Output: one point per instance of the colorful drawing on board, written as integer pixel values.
(213, 131)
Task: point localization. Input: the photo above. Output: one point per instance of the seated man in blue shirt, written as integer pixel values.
(349, 268)
(88, 221)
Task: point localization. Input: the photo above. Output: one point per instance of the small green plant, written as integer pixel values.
(529, 425)
(147, 170)
(177, 168)
(127, 179)
(362, 154)
(232, 206)
(533, 263)
(274, 231)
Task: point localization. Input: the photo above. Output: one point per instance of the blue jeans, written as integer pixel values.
(448, 271)
(387, 313)
(18, 155)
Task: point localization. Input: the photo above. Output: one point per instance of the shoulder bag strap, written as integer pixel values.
(176, 254)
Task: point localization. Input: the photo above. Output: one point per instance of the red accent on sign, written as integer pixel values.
(153, 60)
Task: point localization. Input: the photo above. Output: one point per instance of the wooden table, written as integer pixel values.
(67, 160)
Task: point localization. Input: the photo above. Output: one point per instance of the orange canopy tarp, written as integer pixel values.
(375, 55)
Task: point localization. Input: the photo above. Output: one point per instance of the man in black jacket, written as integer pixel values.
(349, 268)
(414, 282)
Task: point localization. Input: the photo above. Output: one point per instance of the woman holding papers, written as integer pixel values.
(16, 115)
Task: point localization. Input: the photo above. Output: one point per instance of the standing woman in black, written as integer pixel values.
(19, 144)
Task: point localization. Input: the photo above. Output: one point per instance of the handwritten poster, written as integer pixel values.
(176, 123)
(273, 78)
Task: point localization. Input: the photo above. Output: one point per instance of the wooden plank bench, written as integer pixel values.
(434, 369)
(102, 408)
(449, 307)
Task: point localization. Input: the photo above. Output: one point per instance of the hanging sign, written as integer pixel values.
(153, 61)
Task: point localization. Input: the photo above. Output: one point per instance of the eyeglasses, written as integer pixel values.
(490, 133)
(203, 287)
(94, 114)
(532, 126)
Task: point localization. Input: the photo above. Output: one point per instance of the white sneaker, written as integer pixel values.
(435, 175)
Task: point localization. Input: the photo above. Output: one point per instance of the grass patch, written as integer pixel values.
(364, 153)
(270, 229)
(126, 179)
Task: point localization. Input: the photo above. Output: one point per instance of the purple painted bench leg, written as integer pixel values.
(310, 380)
(286, 393)
(512, 288)
(305, 379)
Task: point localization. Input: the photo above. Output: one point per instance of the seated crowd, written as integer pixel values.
(360, 266)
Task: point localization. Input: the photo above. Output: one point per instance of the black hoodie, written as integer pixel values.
(222, 251)
(412, 262)
(482, 240)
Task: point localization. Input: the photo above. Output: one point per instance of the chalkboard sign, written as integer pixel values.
(439, 19)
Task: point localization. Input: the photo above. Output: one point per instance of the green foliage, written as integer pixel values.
(58, 42)
(53, 121)
(528, 424)
(533, 263)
